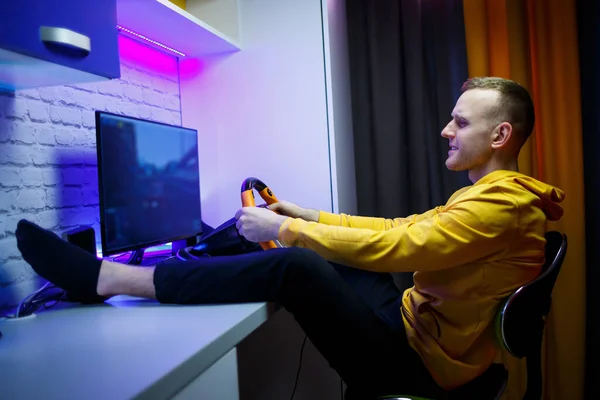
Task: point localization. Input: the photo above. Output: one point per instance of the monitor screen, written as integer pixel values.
(149, 183)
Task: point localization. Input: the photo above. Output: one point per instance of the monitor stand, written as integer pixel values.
(182, 244)
(136, 257)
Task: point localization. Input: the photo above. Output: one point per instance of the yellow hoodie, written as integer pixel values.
(467, 256)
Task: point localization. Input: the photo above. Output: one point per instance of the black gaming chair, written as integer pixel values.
(520, 325)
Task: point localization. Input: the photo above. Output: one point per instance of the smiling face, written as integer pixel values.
(472, 131)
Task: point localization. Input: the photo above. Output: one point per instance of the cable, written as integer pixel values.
(299, 367)
(40, 298)
(18, 313)
(33, 301)
(46, 302)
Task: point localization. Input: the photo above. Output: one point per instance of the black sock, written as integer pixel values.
(63, 264)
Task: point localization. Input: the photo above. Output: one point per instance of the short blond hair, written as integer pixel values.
(515, 105)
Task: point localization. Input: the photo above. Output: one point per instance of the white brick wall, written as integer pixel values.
(48, 170)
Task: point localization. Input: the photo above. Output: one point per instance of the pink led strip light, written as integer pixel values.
(147, 39)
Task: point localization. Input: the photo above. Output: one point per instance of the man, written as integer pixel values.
(467, 256)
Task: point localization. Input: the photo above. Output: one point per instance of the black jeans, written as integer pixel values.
(351, 316)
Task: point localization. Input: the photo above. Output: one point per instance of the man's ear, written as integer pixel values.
(501, 135)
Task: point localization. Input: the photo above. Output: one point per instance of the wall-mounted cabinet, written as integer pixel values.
(57, 42)
(53, 42)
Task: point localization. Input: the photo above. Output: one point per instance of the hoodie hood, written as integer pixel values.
(549, 195)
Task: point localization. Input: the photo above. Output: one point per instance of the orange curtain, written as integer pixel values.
(534, 42)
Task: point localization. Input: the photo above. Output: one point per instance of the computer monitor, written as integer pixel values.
(149, 183)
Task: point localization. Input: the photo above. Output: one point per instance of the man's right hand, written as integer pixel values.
(295, 211)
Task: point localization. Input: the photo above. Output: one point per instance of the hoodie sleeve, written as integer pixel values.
(376, 224)
(467, 230)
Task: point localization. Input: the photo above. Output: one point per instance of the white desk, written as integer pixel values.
(128, 348)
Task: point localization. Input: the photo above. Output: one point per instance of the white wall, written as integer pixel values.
(262, 111)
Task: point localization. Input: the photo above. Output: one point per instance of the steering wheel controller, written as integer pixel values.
(225, 239)
(248, 200)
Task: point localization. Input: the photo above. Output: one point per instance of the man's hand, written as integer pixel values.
(292, 210)
(258, 224)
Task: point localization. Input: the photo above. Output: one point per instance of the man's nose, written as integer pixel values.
(447, 132)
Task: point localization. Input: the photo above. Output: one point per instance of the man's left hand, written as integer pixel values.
(258, 224)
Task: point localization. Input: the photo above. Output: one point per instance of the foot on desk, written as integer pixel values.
(63, 264)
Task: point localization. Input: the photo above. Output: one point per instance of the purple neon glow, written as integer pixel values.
(135, 52)
(147, 39)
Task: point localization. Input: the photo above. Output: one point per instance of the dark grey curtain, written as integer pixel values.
(588, 13)
(407, 63)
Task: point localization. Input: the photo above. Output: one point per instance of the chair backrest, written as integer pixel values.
(520, 320)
